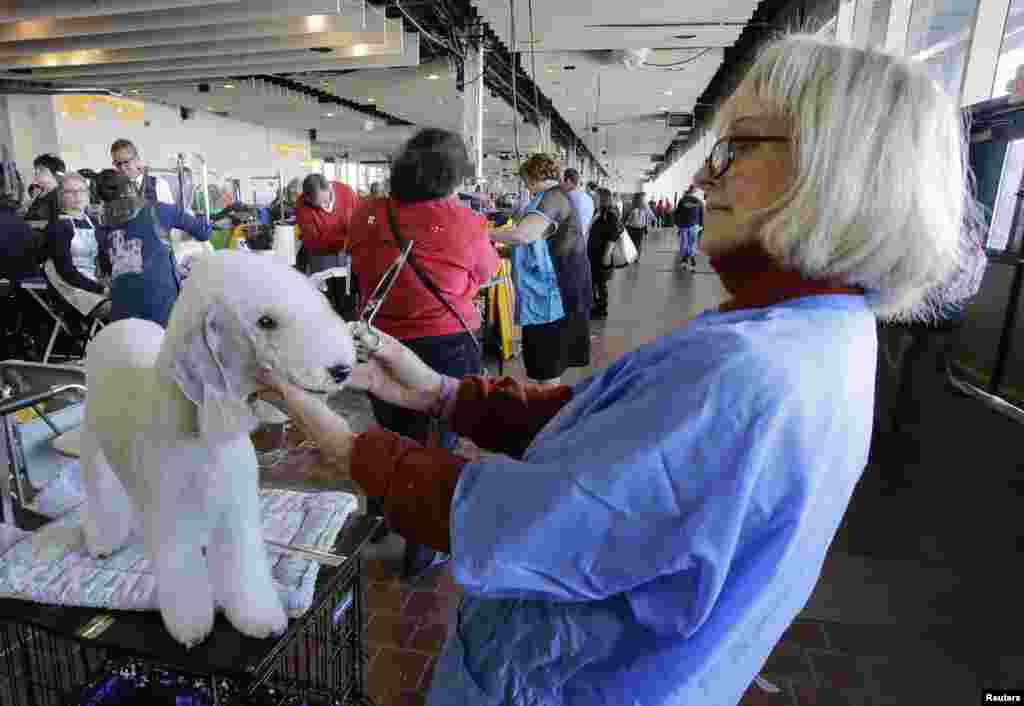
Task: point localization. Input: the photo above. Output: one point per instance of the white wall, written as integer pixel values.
(34, 130)
(232, 148)
(676, 178)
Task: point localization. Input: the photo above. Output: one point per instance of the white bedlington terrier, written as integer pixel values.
(165, 442)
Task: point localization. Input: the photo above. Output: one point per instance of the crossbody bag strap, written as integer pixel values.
(431, 287)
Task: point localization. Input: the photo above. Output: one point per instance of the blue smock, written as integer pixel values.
(538, 296)
(144, 284)
(666, 527)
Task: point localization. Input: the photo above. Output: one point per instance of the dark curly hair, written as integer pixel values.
(430, 166)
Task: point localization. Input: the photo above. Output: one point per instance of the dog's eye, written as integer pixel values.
(268, 323)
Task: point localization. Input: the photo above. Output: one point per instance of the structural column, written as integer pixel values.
(473, 104)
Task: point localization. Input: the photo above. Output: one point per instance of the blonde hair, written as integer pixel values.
(540, 167)
(882, 189)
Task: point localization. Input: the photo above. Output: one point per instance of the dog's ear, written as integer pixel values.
(208, 367)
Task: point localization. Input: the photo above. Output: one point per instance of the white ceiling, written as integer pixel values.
(164, 48)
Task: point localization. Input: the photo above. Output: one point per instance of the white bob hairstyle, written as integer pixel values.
(882, 191)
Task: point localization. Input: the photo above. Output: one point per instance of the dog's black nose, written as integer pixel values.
(339, 373)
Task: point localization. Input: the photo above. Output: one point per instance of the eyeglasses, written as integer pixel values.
(76, 191)
(118, 163)
(724, 152)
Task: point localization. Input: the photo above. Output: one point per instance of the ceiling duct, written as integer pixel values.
(629, 58)
(28, 88)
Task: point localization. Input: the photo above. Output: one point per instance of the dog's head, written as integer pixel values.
(238, 311)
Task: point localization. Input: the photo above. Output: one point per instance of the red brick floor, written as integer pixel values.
(815, 664)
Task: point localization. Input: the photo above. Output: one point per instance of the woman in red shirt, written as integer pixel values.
(452, 249)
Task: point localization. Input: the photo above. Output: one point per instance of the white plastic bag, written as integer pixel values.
(621, 253)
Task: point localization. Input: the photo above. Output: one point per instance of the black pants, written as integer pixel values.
(600, 275)
(637, 234)
(454, 355)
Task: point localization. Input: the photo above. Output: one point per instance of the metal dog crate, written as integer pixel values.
(56, 656)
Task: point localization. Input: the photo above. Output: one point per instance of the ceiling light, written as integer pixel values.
(371, 100)
(135, 91)
(668, 93)
(433, 77)
(663, 108)
(229, 85)
(330, 115)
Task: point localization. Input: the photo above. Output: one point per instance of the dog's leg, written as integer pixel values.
(108, 516)
(175, 529)
(239, 567)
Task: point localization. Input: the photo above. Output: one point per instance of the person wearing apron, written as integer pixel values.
(72, 250)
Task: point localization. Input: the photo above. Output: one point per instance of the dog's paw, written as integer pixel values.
(189, 619)
(261, 616)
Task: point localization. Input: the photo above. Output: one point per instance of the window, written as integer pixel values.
(939, 35)
(1012, 53)
(1006, 197)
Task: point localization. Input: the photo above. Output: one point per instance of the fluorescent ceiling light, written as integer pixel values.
(433, 77)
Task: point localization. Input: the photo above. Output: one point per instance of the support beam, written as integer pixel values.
(62, 9)
(351, 23)
(473, 105)
(180, 18)
(66, 64)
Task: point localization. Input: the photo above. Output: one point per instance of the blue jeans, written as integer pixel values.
(688, 237)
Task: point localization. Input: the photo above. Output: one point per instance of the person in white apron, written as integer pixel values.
(72, 250)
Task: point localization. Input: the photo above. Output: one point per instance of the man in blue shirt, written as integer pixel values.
(582, 203)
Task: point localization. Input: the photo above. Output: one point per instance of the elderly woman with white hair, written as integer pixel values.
(646, 536)
(72, 248)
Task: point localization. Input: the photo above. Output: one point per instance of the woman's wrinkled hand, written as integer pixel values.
(392, 372)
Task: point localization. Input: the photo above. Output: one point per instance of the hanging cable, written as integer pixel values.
(424, 32)
(533, 69)
(679, 63)
(515, 91)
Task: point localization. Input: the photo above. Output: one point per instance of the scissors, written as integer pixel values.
(374, 302)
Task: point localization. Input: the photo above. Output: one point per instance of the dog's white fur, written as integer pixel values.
(165, 442)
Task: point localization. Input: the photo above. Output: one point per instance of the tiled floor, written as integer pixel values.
(893, 620)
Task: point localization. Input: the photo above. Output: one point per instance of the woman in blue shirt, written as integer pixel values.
(646, 536)
(144, 281)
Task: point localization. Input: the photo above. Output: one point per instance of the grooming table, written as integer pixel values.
(51, 654)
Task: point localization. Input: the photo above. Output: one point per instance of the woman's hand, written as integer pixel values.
(328, 430)
(393, 373)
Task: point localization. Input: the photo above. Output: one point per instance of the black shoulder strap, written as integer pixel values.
(431, 287)
(154, 215)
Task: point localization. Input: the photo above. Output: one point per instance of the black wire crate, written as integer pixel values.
(55, 656)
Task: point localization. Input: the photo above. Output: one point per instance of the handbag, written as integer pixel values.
(431, 287)
(620, 253)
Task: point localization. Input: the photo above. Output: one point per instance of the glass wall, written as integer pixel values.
(1011, 54)
(940, 36)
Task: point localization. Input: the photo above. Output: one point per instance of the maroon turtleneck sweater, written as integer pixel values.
(417, 484)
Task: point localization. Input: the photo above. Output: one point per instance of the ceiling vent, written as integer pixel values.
(679, 120)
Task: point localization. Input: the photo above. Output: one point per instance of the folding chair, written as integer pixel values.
(80, 326)
(25, 385)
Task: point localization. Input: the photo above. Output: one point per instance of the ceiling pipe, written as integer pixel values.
(66, 65)
(352, 23)
(163, 20)
(14, 88)
(62, 9)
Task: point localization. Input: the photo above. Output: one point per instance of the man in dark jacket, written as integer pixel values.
(48, 169)
(689, 219)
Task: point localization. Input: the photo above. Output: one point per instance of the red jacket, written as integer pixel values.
(451, 247)
(326, 233)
